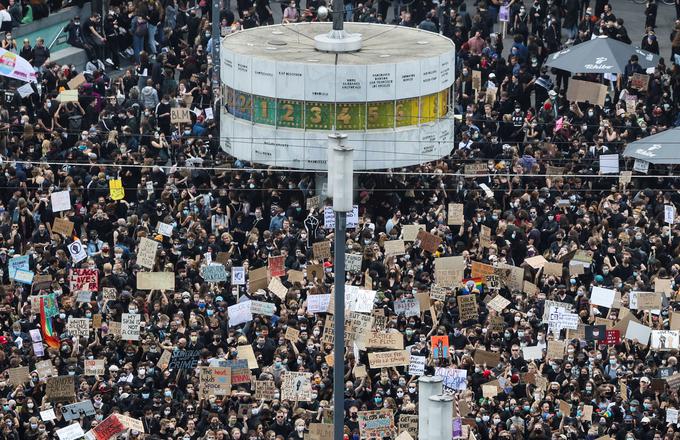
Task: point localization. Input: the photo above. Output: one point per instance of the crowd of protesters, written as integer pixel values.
(544, 196)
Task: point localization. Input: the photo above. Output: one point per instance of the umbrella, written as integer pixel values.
(661, 148)
(600, 55)
(13, 66)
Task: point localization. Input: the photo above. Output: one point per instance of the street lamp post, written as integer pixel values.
(340, 174)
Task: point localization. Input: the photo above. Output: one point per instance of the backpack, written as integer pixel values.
(142, 28)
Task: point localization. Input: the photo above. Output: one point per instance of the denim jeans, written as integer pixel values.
(152, 38)
(137, 45)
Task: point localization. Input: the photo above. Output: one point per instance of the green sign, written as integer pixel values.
(407, 112)
(264, 110)
(290, 114)
(380, 114)
(243, 105)
(319, 115)
(350, 116)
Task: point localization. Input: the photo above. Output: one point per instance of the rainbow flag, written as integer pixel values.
(471, 284)
(46, 323)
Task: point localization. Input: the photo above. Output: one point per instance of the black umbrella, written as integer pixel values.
(660, 148)
(600, 55)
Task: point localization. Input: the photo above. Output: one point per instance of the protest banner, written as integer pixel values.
(407, 307)
(265, 389)
(665, 340)
(156, 280)
(560, 319)
(498, 303)
(376, 424)
(84, 279)
(276, 266)
(416, 365)
(70, 432)
(77, 410)
(214, 273)
(78, 326)
(296, 387)
(214, 381)
(454, 379)
(60, 388)
(318, 303)
(394, 248)
(108, 428)
(428, 242)
(467, 307)
(383, 359)
(184, 359)
(393, 340)
(130, 325)
(440, 346)
(94, 367)
(239, 313)
(313, 203)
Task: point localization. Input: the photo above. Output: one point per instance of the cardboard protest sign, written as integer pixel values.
(394, 248)
(393, 340)
(320, 431)
(277, 288)
(180, 115)
(408, 423)
(84, 279)
(437, 293)
(322, 250)
(146, 253)
(214, 381)
(258, 279)
(296, 387)
(555, 350)
(428, 242)
(114, 328)
(648, 301)
(18, 376)
(663, 285)
(483, 357)
(130, 325)
(45, 369)
(292, 334)
(62, 226)
(586, 91)
(296, 276)
(246, 352)
(94, 367)
(156, 280)
(455, 214)
(265, 389)
(78, 326)
(394, 358)
(448, 271)
(467, 307)
(376, 424)
(410, 232)
(554, 269)
(60, 388)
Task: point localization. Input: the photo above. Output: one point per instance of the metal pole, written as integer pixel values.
(216, 37)
(339, 312)
(338, 15)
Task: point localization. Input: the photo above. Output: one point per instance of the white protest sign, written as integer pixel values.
(416, 366)
(48, 415)
(165, 229)
(609, 164)
(130, 324)
(602, 297)
(146, 253)
(239, 313)
(77, 251)
(71, 432)
(358, 299)
(641, 166)
(533, 352)
(61, 201)
(262, 308)
(560, 318)
(669, 214)
(454, 379)
(665, 340)
(238, 276)
(25, 90)
(318, 303)
(638, 332)
(78, 326)
(407, 306)
(671, 415)
(214, 273)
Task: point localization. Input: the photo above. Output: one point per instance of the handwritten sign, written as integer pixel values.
(180, 115)
(94, 367)
(467, 307)
(62, 226)
(84, 279)
(394, 248)
(78, 326)
(130, 325)
(385, 359)
(454, 379)
(214, 273)
(393, 340)
(146, 253)
(214, 381)
(428, 242)
(455, 214)
(156, 280)
(376, 424)
(296, 387)
(322, 250)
